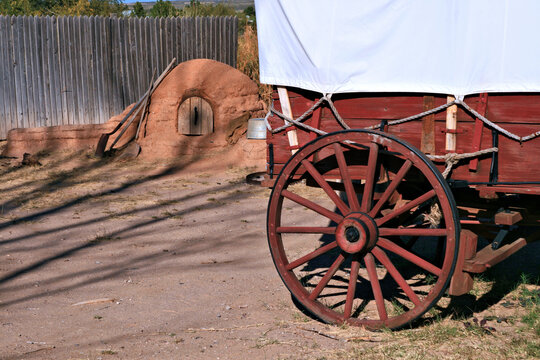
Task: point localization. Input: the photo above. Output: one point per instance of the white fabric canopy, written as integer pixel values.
(454, 47)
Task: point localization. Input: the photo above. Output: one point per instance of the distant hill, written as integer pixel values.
(179, 4)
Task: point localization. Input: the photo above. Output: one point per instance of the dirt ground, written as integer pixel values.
(103, 259)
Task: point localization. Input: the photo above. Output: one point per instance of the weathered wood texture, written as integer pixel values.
(195, 117)
(82, 70)
(518, 113)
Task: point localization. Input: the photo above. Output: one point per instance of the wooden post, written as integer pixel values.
(287, 111)
(427, 144)
(462, 282)
(478, 127)
(451, 125)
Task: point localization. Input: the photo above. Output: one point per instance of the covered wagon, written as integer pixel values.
(401, 133)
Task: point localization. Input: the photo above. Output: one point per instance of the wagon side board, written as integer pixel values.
(518, 113)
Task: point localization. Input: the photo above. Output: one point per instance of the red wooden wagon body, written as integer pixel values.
(379, 199)
(494, 192)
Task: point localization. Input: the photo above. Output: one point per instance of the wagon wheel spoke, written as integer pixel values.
(326, 278)
(312, 255)
(410, 205)
(387, 263)
(311, 205)
(343, 170)
(306, 230)
(375, 286)
(355, 267)
(391, 188)
(326, 187)
(415, 259)
(412, 232)
(367, 195)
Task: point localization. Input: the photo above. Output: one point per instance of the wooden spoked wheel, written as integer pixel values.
(380, 254)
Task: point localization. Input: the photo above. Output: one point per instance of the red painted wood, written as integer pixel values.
(327, 277)
(313, 206)
(478, 128)
(326, 187)
(390, 246)
(387, 263)
(391, 188)
(347, 180)
(375, 286)
(518, 113)
(351, 289)
(312, 255)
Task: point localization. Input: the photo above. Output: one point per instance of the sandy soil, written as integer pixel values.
(174, 264)
(108, 260)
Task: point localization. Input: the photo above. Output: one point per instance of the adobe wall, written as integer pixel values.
(231, 94)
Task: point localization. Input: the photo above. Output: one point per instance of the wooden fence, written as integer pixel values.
(82, 70)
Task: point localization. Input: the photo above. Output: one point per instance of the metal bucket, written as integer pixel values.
(256, 129)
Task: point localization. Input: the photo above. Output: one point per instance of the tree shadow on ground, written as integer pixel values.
(61, 249)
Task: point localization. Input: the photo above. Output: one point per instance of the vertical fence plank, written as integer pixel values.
(155, 44)
(137, 56)
(228, 29)
(81, 69)
(234, 41)
(75, 79)
(117, 40)
(198, 40)
(22, 113)
(214, 36)
(100, 96)
(129, 37)
(171, 49)
(106, 94)
(43, 72)
(221, 24)
(46, 69)
(13, 69)
(133, 56)
(95, 104)
(52, 76)
(27, 58)
(89, 59)
(183, 39)
(193, 38)
(4, 73)
(186, 29)
(112, 24)
(175, 39)
(126, 61)
(159, 33)
(147, 47)
(207, 37)
(62, 39)
(101, 73)
(8, 82)
(35, 50)
(60, 63)
(4, 101)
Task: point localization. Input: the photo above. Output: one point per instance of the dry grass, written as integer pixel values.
(496, 333)
(248, 61)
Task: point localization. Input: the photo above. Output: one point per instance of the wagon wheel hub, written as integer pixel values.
(357, 233)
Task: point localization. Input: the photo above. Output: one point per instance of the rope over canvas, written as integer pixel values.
(457, 47)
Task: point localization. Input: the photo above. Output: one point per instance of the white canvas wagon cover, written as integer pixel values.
(456, 47)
